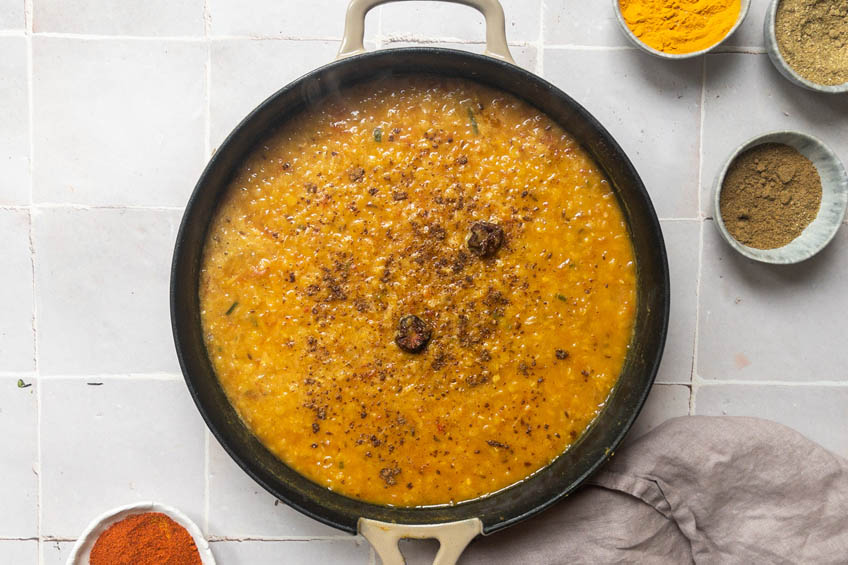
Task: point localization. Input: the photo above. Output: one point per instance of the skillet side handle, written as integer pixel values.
(453, 538)
(496, 46)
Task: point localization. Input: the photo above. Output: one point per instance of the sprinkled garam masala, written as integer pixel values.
(434, 291)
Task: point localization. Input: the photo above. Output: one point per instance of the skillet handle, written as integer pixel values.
(496, 45)
(453, 538)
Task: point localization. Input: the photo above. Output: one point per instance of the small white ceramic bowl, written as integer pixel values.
(743, 11)
(780, 63)
(823, 228)
(81, 552)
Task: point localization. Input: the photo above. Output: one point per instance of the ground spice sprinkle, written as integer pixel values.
(770, 194)
(151, 538)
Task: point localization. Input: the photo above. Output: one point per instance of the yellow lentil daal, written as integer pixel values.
(419, 291)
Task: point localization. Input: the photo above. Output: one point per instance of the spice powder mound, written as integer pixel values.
(813, 38)
(151, 538)
(770, 194)
(681, 26)
(418, 292)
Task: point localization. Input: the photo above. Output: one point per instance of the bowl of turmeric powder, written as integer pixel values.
(681, 29)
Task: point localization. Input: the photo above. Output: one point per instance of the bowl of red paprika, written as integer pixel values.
(144, 533)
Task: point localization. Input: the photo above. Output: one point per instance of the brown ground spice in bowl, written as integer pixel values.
(769, 195)
(151, 538)
(813, 39)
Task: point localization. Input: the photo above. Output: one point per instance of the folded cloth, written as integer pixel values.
(694, 490)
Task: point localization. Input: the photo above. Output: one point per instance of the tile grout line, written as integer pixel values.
(340, 537)
(701, 116)
(28, 34)
(153, 376)
(702, 382)
(70, 206)
(540, 50)
(378, 37)
(694, 377)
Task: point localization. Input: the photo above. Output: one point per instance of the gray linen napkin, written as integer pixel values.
(694, 490)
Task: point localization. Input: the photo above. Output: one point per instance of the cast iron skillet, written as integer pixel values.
(455, 525)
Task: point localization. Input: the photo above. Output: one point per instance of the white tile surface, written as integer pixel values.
(650, 106)
(239, 507)
(56, 552)
(245, 72)
(750, 33)
(123, 441)
(767, 322)
(14, 109)
(12, 15)
(819, 413)
(16, 334)
(525, 55)
(432, 20)
(352, 552)
(16, 552)
(578, 22)
(313, 19)
(746, 97)
(18, 465)
(664, 402)
(102, 277)
(128, 17)
(682, 242)
(117, 122)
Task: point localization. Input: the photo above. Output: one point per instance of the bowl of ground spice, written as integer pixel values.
(781, 197)
(145, 533)
(807, 41)
(679, 29)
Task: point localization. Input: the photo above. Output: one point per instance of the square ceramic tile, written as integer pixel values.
(578, 22)
(18, 552)
(682, 243)
(772, 322)
(431, 20)
(118, 121)
(750, 33)
(817, 412)
(56, 552)
(19, 463)
(314, 19)
(664, 402)
(245, 72)
(525, 55)
(133, 17)
(239, 507)
(745, 97)
(12, 15)
(354, 551)
(650, 106)
(102, 279)
(14, 107)
(16, 334)
(123, 441)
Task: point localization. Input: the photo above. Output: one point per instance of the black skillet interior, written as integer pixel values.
(547, 486)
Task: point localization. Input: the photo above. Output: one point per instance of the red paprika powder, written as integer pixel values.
(151, 538)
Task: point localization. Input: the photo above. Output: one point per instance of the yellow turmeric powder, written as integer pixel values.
(680, 26)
